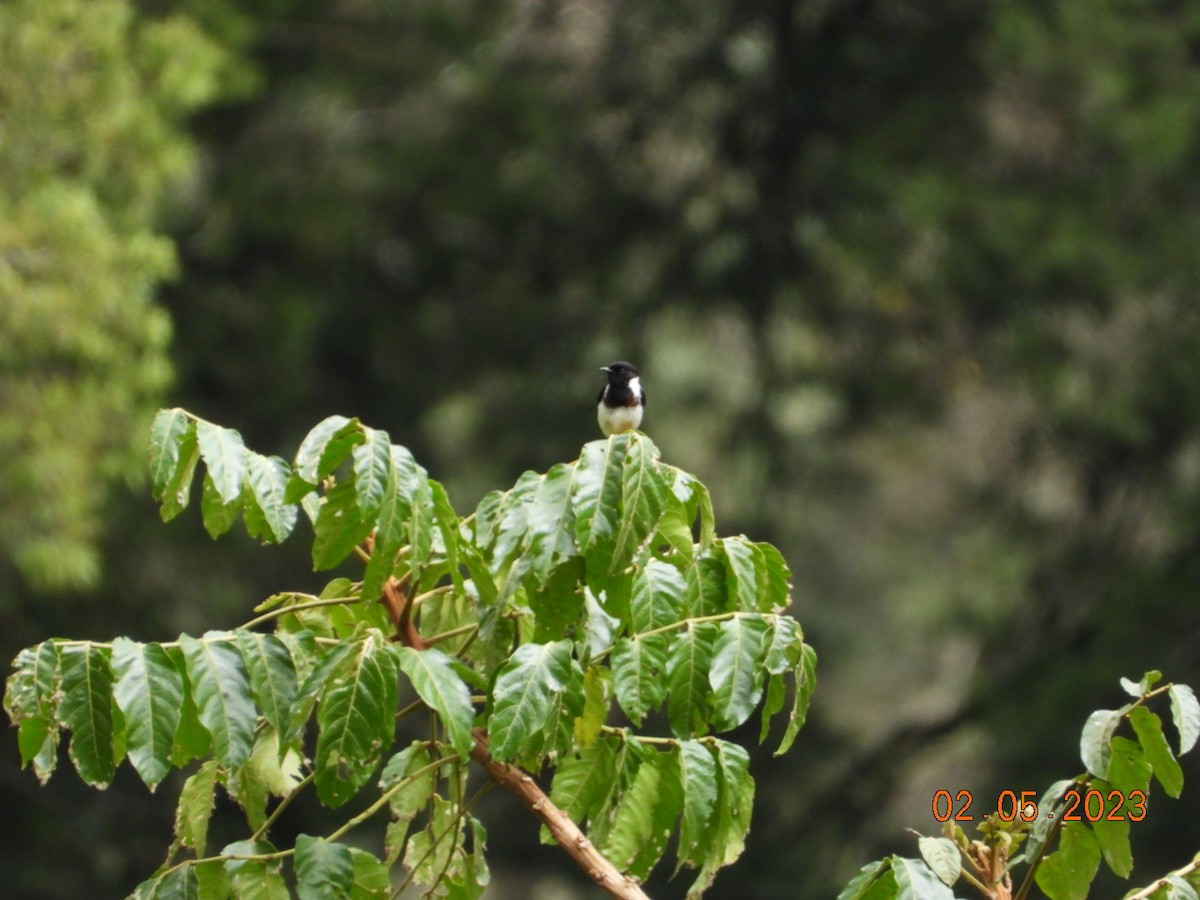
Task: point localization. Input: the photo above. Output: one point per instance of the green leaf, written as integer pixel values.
(657, 598)
(916, 881)
(430, 851)
(224, 454)
(222, 694)
(254, 879)
(599, 626)
(688, 705)
(597, 499)
(1140, 688)
(509, 520)
(1097, 735)
(308, 463)
(705, 510)
(1148, 728)
(1067, 873)
(149, 693)
(643, 499)
(746, 574)
(436, 682)
(268, 514)
(584, 779)
(195, 807)
(371, 880)
(644, 816)
(213, 880)
(527, 689)
(736, 671)
(182, 882)
(328, 669)
(278, 772)
(706, 589)
(942, 857)
(356, 719)
(410, 799)
(1185, 711)
(31, 699)
(324, 869)
(37, 739)
(405, 515)
(874, 881)
(550, 525)
(166, 440)
(177, 491)
(272, 675)
(86, 710)
(1128, 769)
(218, 515)
(470, 876)
(192, 740)
(1112, 835)
(668, 804)
(701, 787)
(558, 603)
(734, 803)
(372, 468)
(785, 645)
(1049, 813)
(778, 589)
(597, 692)
(639, 667)
(806, 683)
(675, 527)
(339, 527)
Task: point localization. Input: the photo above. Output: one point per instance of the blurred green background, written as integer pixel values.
(912, 285)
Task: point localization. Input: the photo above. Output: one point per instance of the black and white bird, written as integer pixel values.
(622, 401)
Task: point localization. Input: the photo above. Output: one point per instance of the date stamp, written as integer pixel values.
(1091, 805)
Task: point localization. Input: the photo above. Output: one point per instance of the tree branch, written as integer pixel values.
(565, 832)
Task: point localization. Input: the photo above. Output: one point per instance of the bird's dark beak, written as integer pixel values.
(605, 369)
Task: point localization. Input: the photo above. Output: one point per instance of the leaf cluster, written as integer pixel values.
(555, 622)
(1077, 823)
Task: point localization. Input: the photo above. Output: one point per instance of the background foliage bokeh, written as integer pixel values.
(913, 286)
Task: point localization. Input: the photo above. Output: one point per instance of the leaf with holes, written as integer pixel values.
(86, 710)
(639, 667)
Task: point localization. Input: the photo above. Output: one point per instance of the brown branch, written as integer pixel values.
(565, 832)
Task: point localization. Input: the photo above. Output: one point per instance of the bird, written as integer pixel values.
(622, 401)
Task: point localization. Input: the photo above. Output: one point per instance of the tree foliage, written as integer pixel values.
(1063, 836)
(522, 628)
(93, 102)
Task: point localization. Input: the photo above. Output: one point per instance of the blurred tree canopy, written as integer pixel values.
(913, 287)
(92, 101)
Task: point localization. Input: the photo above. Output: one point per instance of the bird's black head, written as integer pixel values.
(619, 372)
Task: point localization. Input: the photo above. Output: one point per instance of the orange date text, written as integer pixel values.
(1091, 805)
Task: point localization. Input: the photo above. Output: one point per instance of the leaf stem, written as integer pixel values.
(1153, 887)
(310, 604)
(387, 795)
(284, 803)
(683, 623)
(452, 633)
